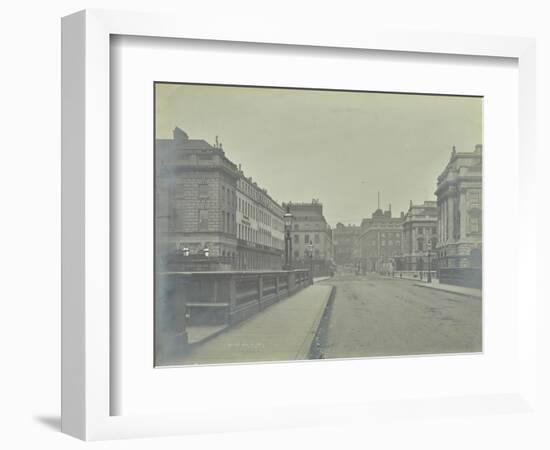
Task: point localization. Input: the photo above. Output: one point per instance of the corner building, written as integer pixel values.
(459, 204)
(203, 200)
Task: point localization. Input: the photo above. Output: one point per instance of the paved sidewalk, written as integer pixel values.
(282, 332)
(200, 333)
(435, 284)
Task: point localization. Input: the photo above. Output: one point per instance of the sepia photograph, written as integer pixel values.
(298, 224)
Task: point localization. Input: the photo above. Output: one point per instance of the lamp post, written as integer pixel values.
(287, 217)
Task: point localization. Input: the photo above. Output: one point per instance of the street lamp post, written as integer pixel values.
(287, 217)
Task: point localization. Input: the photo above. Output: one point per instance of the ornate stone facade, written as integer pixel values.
(459, 204)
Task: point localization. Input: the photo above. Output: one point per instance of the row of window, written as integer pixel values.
(256, 194)
(384, 243)
(252, 211)
(259, 236)
(319, 224)
(390, 235)
(306, 254)
(316, 237)
(426, 230)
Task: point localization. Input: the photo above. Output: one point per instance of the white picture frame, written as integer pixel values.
(87, 355)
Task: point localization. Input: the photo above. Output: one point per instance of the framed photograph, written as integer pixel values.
(250, 219)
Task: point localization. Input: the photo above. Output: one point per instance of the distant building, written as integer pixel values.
(310, 226)
(203, 201)
(419, 236)
(345, 240)
(381, 241)
(459, 203)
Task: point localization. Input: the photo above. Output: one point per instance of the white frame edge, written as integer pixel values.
(85, 189)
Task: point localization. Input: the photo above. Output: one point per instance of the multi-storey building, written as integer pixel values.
(459, 204)
(260, 229)
(345, 240)
(311, 228)
(420, 237)
(381, 242)
(203, 201)
(195, 201)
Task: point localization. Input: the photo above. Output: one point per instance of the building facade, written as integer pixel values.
(345, 240)
(420, 237)
(260, 230)
(459, 204)
(203, 201)
(381, 242)
(310, 227)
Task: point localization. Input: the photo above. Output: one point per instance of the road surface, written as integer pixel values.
(379, 316)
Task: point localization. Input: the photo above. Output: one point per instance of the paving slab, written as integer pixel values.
(282, 332)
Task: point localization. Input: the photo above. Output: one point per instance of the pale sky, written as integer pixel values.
(339, 147)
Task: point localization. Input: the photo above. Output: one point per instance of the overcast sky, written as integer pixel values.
(339, 147)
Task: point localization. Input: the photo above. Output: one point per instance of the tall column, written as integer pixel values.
(463, 214)
(451, 216)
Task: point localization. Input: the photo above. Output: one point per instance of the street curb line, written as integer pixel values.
(305, 349)
(448, 291)
(314, 352)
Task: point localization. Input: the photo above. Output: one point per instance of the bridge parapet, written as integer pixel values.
(217, 298)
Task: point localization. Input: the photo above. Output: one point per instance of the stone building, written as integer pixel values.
(381, 242)
(260, 229)
(459, 204)
(310, 226)
(419, 237)
(203, 201)
(345, 239)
